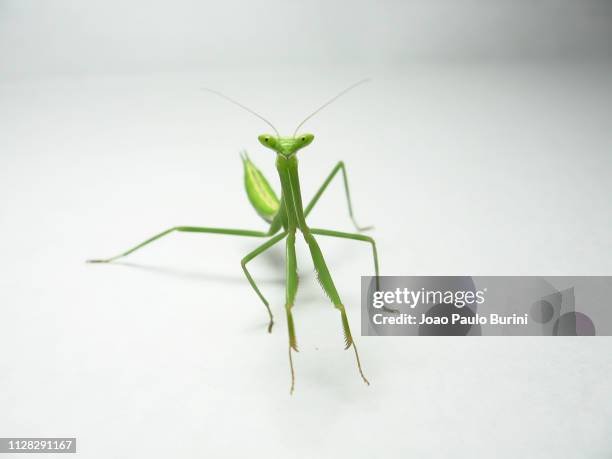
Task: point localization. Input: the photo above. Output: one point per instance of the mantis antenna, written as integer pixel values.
(341, 93)
(242, 106)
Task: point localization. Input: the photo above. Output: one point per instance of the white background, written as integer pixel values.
(481, 147)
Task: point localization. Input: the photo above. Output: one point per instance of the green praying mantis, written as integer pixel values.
(286, 216)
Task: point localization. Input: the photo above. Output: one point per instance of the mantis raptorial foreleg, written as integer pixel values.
(262, 248)
(330, 177)
(186, 229)
(327, 283)
(291, 290)
(356, 237)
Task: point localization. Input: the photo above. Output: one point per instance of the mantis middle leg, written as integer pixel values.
(259, 250)
(291, 290)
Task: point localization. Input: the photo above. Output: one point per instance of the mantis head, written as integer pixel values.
(285, 146)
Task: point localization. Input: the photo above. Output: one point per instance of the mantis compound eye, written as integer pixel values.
(305, 139)
(267, 140)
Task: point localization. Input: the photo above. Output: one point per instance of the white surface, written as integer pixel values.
(167, 354)
(465, 168)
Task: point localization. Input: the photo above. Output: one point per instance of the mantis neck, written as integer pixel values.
(291, 194)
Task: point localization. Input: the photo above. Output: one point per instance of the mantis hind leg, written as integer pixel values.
(227, 231)
(328, 286)
(186, 229)
(291, 290)
(339, 167)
